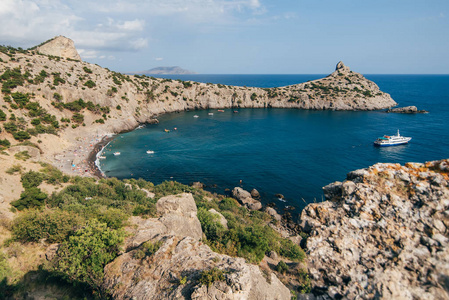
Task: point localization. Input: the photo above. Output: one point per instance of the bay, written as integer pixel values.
(292, 152)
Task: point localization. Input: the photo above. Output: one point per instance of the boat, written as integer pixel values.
(210, 114)
(102, 157)
(116, 153)
(166, 130)
(150, 151)
(196, 116)
(220, 110)
(392, 140)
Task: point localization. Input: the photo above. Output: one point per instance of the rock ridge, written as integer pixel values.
(382, 233)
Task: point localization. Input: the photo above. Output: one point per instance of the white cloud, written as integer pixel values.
(135, 25)
(159, 59)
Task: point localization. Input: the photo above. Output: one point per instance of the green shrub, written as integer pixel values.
(21, 135)
(84, 255)
(90, 84)
(57, 97)
(4, 143)
(210, 224)
(14, 169)
(210, 276)
(31, 179)
(87, 70)
(290, 250)
(282, 267)
(32, 197)
(53, 225)
(2, 115)
(78, 118)
(23, 155)
(10, 127)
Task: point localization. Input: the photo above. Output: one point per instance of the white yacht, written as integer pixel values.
(391, 140)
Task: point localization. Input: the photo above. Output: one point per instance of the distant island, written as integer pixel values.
(166, 71)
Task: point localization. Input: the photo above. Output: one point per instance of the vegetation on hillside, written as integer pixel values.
(87, 218)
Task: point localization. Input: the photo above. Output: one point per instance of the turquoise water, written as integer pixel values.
(292, 152)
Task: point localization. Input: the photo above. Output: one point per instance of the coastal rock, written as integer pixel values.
(158, 276)
(60, 46)
(382, 234)
(244, 197)
(272, 212)
(255, 194)
(406, 110)
(197, 185)
(342, 68)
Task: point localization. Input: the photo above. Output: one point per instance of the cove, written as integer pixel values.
(292, 152)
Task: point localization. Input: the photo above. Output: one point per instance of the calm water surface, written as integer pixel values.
(292, 152)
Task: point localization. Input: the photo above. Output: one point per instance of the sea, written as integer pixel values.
(283, 151)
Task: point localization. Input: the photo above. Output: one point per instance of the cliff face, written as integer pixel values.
(382, 234)
(60, 46)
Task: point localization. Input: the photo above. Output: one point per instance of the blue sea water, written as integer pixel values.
(292, 152)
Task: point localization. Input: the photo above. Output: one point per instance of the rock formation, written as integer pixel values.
(382, 233)
(60, 46)
(244, 197)
(406, 110)
(173, 270)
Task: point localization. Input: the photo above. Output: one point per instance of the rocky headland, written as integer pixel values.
(382, 233)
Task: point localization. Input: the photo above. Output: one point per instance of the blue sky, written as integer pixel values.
(241, 36)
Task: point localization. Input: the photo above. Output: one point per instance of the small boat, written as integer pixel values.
(236, 111)
(196, 116)
(150, 151)
(166, 130)
(220, 110)
(210, 114)
(116, 153)
(392, 140)
(102, 157)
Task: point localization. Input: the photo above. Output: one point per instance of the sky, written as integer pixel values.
(241, 36)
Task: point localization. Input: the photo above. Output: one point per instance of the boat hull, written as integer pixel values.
(390, 144)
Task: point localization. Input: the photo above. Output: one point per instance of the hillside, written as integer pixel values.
(55, 109)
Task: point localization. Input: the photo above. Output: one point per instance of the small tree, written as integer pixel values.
(83, 257)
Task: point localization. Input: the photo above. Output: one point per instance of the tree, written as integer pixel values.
(83, 257)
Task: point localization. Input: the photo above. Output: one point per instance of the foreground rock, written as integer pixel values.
(173, 270)
(382, 234)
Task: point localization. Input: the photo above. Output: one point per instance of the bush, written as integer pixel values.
(24, 155)
(21, 135)
(282, 267)
(84, 255)
(213, 230)
(90, 84)
(210, 276)
(53, 225)
(4, 143)
(32, 197)
(2, 115)
(78, 118)
(290, 250)
(14, 169)
(87, 70)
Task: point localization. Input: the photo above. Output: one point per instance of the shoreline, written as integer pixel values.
(92, 157)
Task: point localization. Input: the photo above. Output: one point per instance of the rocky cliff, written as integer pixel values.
(60, 46)
(382, 233)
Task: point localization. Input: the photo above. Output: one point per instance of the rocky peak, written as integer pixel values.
(60, 46)
(342, 68)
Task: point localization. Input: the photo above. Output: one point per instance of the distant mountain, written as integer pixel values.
(166, 70)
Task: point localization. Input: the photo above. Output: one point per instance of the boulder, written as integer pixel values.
(179, 215)
(255, 194)
(244, 197)
(158, 276)
(272, 212)
(197, 185)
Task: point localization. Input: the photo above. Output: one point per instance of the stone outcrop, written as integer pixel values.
(178, 217)
(173, 271)
(382, 233)
(221, 219)
(244, 197)
(406, 110)
(60, 46)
